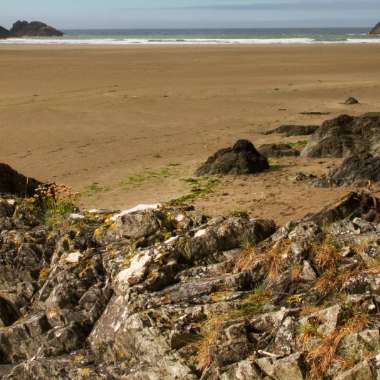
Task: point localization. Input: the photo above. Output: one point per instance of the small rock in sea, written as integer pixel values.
(242, 158)
(351, 101)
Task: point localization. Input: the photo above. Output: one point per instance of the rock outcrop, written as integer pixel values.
(278, 150)
(33, 29)
(167, 293)
(376, 29)
(12, 182)
(4, 33)
(356, 170)
(242, 158)
(345, 136)
(294, 130)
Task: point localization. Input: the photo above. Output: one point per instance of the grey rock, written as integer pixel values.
(12, 182)
(282, 369)
(345, 136)
(167, 294)
(244, 370)
(357, 170)
(361, 371)
(242, 158)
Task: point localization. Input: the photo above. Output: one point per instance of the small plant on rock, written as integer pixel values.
(55, 202)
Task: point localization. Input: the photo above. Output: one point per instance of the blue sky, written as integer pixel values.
(192, 13)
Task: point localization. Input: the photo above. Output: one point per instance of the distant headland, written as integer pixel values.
(376, 29)
(30, 29)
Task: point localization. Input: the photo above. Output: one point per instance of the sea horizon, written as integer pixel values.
(205, 36)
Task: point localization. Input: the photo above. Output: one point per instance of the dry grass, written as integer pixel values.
(247, 258)
(309, 309)
(250, 305)
(326, 254)
(271, 259)
(326, 282)
(324, 354)
(295, 272)
(209, 334)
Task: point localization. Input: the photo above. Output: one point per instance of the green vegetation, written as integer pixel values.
(53, 203)
(273, 166)
(139, 179)
(199, 188)
(95, 188)
(299, 145)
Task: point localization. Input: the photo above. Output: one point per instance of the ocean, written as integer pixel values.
(205, 37)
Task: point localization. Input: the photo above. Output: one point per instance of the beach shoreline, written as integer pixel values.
(128, 124)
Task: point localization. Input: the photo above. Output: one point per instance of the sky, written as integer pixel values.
(87, 14)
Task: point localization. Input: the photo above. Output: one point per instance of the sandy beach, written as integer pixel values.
(127, 125)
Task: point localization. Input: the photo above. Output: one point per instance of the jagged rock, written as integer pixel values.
(12, 182)
(242, 158)
(278, 150)
(326, 319)
(4, 33)
(294, 130)
(353, 205)
(167, 293)
(351, 100)
(355, 346)
(345, 136)
(376, 29)
(33, 29)
(362, 371)
(282, 369)
(244, 370)
(356, 170)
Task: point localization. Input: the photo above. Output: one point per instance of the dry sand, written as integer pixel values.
(126, 125)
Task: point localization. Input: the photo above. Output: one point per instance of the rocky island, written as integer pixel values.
(376, 29)
(30, 29)
(4, 33)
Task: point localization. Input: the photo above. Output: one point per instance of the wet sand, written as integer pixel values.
(127, 125)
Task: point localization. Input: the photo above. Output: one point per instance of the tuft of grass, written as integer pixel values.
(299, 145)
(271, 259)
(324, 354)
(307, 331)
(208, 337)
(94, 189)
(199, 188)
